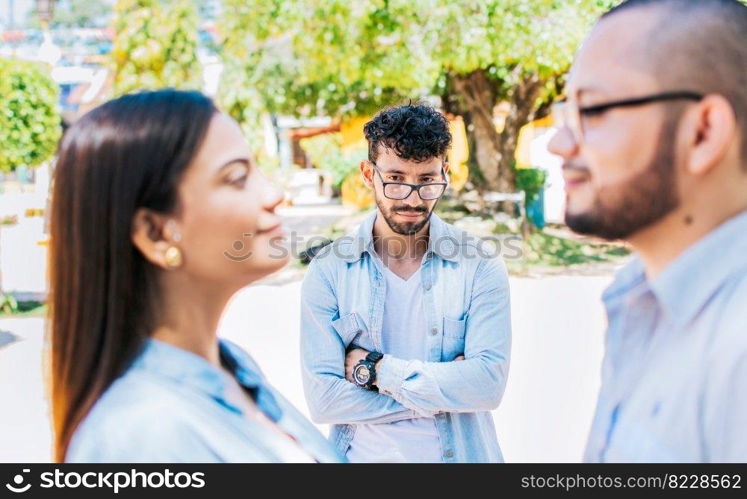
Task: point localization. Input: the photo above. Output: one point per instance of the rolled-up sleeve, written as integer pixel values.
(331, 398)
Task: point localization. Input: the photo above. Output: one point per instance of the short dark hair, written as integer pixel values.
(415, 132)
(698, 45)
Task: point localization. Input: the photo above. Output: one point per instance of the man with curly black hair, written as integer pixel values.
(414, 138)
(405, 325)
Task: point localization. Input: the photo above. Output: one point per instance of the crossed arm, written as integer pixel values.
(407, 388)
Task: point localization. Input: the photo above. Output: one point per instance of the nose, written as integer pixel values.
(563, 144)
(413, 199)
(272, 195)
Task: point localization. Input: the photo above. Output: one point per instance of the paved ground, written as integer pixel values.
(25, 432)
(545, 414)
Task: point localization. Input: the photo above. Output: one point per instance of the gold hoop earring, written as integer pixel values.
(173, 257)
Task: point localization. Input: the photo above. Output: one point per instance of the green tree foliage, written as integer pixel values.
(336, 57)
(155, 45)
(513, 52)
(241, 101)
(29, 116)
(310, 58)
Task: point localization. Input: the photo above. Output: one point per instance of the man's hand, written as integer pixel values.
(351, 360)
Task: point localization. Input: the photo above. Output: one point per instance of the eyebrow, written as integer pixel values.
(589, 90)
(400, 172)
(244, 161)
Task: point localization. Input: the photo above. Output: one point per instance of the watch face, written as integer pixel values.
(361, 374)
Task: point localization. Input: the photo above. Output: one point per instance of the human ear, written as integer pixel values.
(366, 169)
(156, 236)
(711, 129)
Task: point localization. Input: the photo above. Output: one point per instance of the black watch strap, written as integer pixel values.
(374, 357)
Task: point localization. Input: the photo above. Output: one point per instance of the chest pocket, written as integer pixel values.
(353, 331)
(453, 339)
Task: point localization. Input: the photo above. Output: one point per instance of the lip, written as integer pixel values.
(573, 181)
(411, 216)
(277, 230)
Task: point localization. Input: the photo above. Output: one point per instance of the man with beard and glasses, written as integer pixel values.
(654, 141)
(405, 326)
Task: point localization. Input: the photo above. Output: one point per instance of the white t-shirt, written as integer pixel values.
(403, 332)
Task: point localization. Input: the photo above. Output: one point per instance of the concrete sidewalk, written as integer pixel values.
(25, 427)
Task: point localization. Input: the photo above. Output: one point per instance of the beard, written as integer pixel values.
(404, 228)
(621, 210)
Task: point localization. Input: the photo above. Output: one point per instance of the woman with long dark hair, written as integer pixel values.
(151, 193)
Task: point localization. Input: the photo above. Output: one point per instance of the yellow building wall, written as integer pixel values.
(527, 134)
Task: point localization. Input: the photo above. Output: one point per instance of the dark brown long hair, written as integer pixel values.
(127, 154)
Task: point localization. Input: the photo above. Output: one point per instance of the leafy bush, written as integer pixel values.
(326, 153)
(10, 307)
(8, 304)
(29, 116)
(341, 165)
(531, 181)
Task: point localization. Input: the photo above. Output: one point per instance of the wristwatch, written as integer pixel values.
(364, 373)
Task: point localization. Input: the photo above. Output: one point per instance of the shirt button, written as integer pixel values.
(434, 330)
(427, 286)
(448, 453)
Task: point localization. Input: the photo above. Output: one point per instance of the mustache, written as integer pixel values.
(409, 209)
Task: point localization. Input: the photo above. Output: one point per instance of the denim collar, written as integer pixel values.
(191, 370)
(684, 287)
(441, 241)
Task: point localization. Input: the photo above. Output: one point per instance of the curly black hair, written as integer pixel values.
(414, 132)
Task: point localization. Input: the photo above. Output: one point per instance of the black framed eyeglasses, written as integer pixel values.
(402, 190)
(569, 114)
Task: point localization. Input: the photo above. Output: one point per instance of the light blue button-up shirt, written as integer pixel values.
(674, 378)
(174, 406)
(466, 301)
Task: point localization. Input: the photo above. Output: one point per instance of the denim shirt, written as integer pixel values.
(466, 300)
(674, 378)
(173, 406)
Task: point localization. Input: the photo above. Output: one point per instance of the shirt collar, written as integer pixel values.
(686, 284)
(628, 277)
(440, 240)
(189, 369)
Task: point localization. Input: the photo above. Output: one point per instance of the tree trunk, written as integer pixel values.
(523, 104)
(477, 96)
(473, 96)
